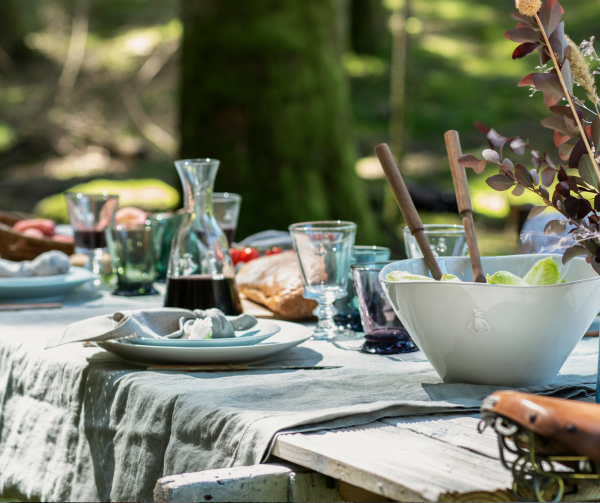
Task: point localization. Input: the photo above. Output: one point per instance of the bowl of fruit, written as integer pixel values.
(25, 238)
(516, 330)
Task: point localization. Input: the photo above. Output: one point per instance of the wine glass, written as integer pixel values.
(90, 214)
(324, 250)
(227, 210)
(444, 241)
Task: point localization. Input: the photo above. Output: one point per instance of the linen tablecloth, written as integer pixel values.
(77, 424)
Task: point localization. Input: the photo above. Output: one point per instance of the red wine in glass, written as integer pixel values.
(90, 239)
(229, 234)
(203, 292)
(228, 231)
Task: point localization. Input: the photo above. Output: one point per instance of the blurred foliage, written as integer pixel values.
(150, 195)
(460, 70)
(115, 114)
(7, 137)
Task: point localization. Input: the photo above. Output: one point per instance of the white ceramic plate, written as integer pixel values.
(263, 330)
(42, 287)
(291, 335)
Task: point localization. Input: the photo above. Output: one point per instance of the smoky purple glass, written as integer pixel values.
(384, 332)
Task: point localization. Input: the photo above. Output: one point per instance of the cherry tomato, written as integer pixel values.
(248, 254)
(235, 255)
(275, 250)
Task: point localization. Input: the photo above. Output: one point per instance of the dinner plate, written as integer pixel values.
(261, 331)
(43, 287)
(291, 335)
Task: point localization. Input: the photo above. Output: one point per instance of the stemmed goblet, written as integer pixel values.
(90, 214)
(324, 250)
(444, 241)
(227, 210)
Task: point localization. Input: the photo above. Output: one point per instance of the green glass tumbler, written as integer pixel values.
(134, 251)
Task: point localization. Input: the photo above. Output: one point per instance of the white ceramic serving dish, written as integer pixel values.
(495, 334)
(40, 288)
(291, 335)
(261, 331)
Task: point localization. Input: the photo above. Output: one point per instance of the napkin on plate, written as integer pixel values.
(159, 323)
(50, 263)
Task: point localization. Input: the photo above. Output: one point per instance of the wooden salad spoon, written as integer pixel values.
(407, 207)
(463, 198)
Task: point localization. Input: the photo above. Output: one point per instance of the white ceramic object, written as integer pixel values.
(261, 331)
(495, 334)
(38, 288)
(291, 335)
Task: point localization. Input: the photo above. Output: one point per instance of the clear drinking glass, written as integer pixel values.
(227, 210)
(90, 214)
(324, 250)
(169, 222)
(134, 251)
(201, 274)
(348, 317)
(444, 241)
(384, 332)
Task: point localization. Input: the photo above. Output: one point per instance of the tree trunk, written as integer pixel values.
(369, 33)
(12, 34)
(398, 81)
(263, 91)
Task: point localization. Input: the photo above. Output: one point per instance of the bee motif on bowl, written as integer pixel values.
(476, 322)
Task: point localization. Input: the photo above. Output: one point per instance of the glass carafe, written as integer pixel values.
(201, 274)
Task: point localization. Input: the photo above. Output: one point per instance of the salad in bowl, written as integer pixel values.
(515, 330)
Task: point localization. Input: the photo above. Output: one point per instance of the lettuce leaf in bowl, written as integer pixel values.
(543, 272)
(406, 276)
(505, 278)
(450, 277)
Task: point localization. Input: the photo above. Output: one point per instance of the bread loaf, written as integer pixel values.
(275, 282)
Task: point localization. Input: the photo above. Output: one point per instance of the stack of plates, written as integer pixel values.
(264, 340)
(40, 288)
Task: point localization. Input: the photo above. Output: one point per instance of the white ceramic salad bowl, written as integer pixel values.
(513, 336)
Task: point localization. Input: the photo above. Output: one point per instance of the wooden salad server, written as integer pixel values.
(407, 207)
(463, 198)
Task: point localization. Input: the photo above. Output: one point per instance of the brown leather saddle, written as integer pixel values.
(550, 444)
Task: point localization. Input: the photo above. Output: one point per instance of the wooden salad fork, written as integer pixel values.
(407, 207)
(463, 198)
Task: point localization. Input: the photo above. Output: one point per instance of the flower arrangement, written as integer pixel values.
(576, 125)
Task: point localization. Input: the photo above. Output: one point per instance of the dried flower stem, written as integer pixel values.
(582, 73)
(568, 95)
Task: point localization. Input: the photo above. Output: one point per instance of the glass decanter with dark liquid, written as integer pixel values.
(201, 274)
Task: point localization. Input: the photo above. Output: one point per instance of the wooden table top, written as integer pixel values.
(415, 458)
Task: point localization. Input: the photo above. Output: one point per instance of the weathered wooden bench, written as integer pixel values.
(418, 458)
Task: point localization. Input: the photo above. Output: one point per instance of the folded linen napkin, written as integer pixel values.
(159, 323)
(49, 263)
